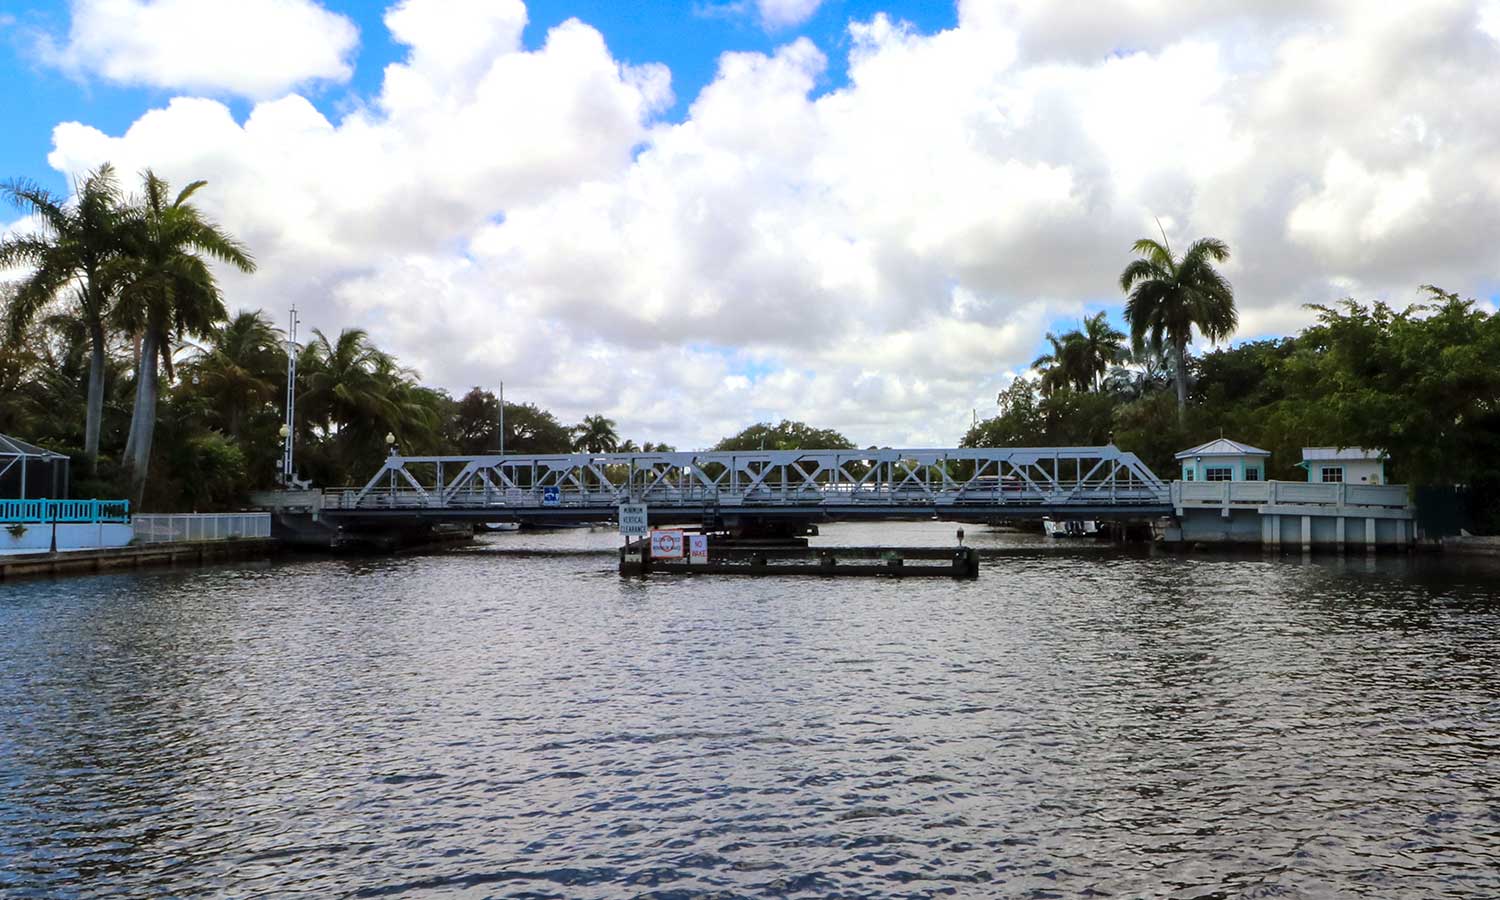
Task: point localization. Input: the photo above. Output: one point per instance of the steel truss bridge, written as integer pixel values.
(730, 488)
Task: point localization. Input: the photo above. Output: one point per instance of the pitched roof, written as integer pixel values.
(1342, 454)
(1223, 447)
(10, 446)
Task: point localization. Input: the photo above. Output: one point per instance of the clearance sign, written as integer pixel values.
(666, 545)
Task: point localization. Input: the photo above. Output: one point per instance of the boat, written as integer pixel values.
(1060, 528)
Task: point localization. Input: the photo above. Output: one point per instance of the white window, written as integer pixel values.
(1333, 474)
(1218, 473)
(1252, 473)
(1187, 474)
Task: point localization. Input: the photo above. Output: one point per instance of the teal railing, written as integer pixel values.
(65, 512)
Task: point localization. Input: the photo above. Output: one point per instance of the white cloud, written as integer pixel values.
(877, 257)
(786, 13)
(252, 48)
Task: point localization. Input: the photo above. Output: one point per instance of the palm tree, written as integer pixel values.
(75, 247)
(167, 289)
(1140, 371)
(1061, 368)
(596, 434)
(1167, 297)
(340, 386)
(1100, 345)
(242, 369)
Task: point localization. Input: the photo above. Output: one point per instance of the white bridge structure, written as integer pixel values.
(962, 484)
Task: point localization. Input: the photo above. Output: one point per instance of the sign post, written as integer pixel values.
(633, 520)
(666, 545)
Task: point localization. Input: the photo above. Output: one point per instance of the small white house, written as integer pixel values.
(1352, 465)
(1224, 460)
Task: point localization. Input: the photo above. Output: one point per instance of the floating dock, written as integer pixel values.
(824, 562)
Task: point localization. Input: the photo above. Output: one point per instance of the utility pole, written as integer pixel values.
(289, 430)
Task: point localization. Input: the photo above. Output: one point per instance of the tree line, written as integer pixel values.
(1423, 384)
(119, 350)
(119, 317)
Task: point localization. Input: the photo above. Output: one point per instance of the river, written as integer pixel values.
(515, 720)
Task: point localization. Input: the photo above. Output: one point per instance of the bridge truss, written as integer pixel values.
(952, 483)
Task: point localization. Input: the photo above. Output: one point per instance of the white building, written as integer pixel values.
(1347, 465)
(1224, 460)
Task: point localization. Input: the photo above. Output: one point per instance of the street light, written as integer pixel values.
(390, 441)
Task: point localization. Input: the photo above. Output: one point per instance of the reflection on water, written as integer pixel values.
(515, 720)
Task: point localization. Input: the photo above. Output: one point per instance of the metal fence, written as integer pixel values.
(206, 527)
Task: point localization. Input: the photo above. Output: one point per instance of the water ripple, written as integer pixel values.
(516, 721)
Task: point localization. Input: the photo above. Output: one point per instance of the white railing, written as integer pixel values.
(151, 529)
(1286, 493)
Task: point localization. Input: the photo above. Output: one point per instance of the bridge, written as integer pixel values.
(733, 488)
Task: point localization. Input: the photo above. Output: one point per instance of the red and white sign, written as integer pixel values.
(698, 549)
(666, 545)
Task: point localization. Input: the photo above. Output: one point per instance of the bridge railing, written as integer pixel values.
(1287, 493)
(998, 477)
(64, 512)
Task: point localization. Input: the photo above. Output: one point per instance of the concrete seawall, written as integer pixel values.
(1472, 546)
(136, 557)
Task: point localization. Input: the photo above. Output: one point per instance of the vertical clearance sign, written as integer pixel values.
(633, 519)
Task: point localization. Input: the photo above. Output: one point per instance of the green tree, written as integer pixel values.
(1062, 367)
(533, 430)
(74, 249)
(785, 435)
(596, 434)
(475, 422)
(1167, 297)
(167, 289)
(240, 371)
(1020, 423)
(1100, 345)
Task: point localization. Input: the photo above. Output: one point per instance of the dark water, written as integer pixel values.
(1079, 722)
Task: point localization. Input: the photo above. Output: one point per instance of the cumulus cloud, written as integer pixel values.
(251, 48)
(879, 257)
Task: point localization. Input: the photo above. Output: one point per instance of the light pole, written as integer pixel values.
(289, 428)
(502, 418)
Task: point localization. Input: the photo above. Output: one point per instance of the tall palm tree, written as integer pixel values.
(1100, 345)
(596, 434)
(75, 247)
(1061, 368)
(167, 290)
(1167, 297)
(241, 370)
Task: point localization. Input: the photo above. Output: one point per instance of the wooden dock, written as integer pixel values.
(824, 562)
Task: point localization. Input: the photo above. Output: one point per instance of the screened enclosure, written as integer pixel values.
(29, 472)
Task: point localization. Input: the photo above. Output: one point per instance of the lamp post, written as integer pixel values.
(288, 429)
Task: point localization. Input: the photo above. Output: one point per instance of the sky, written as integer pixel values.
(695, 215)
